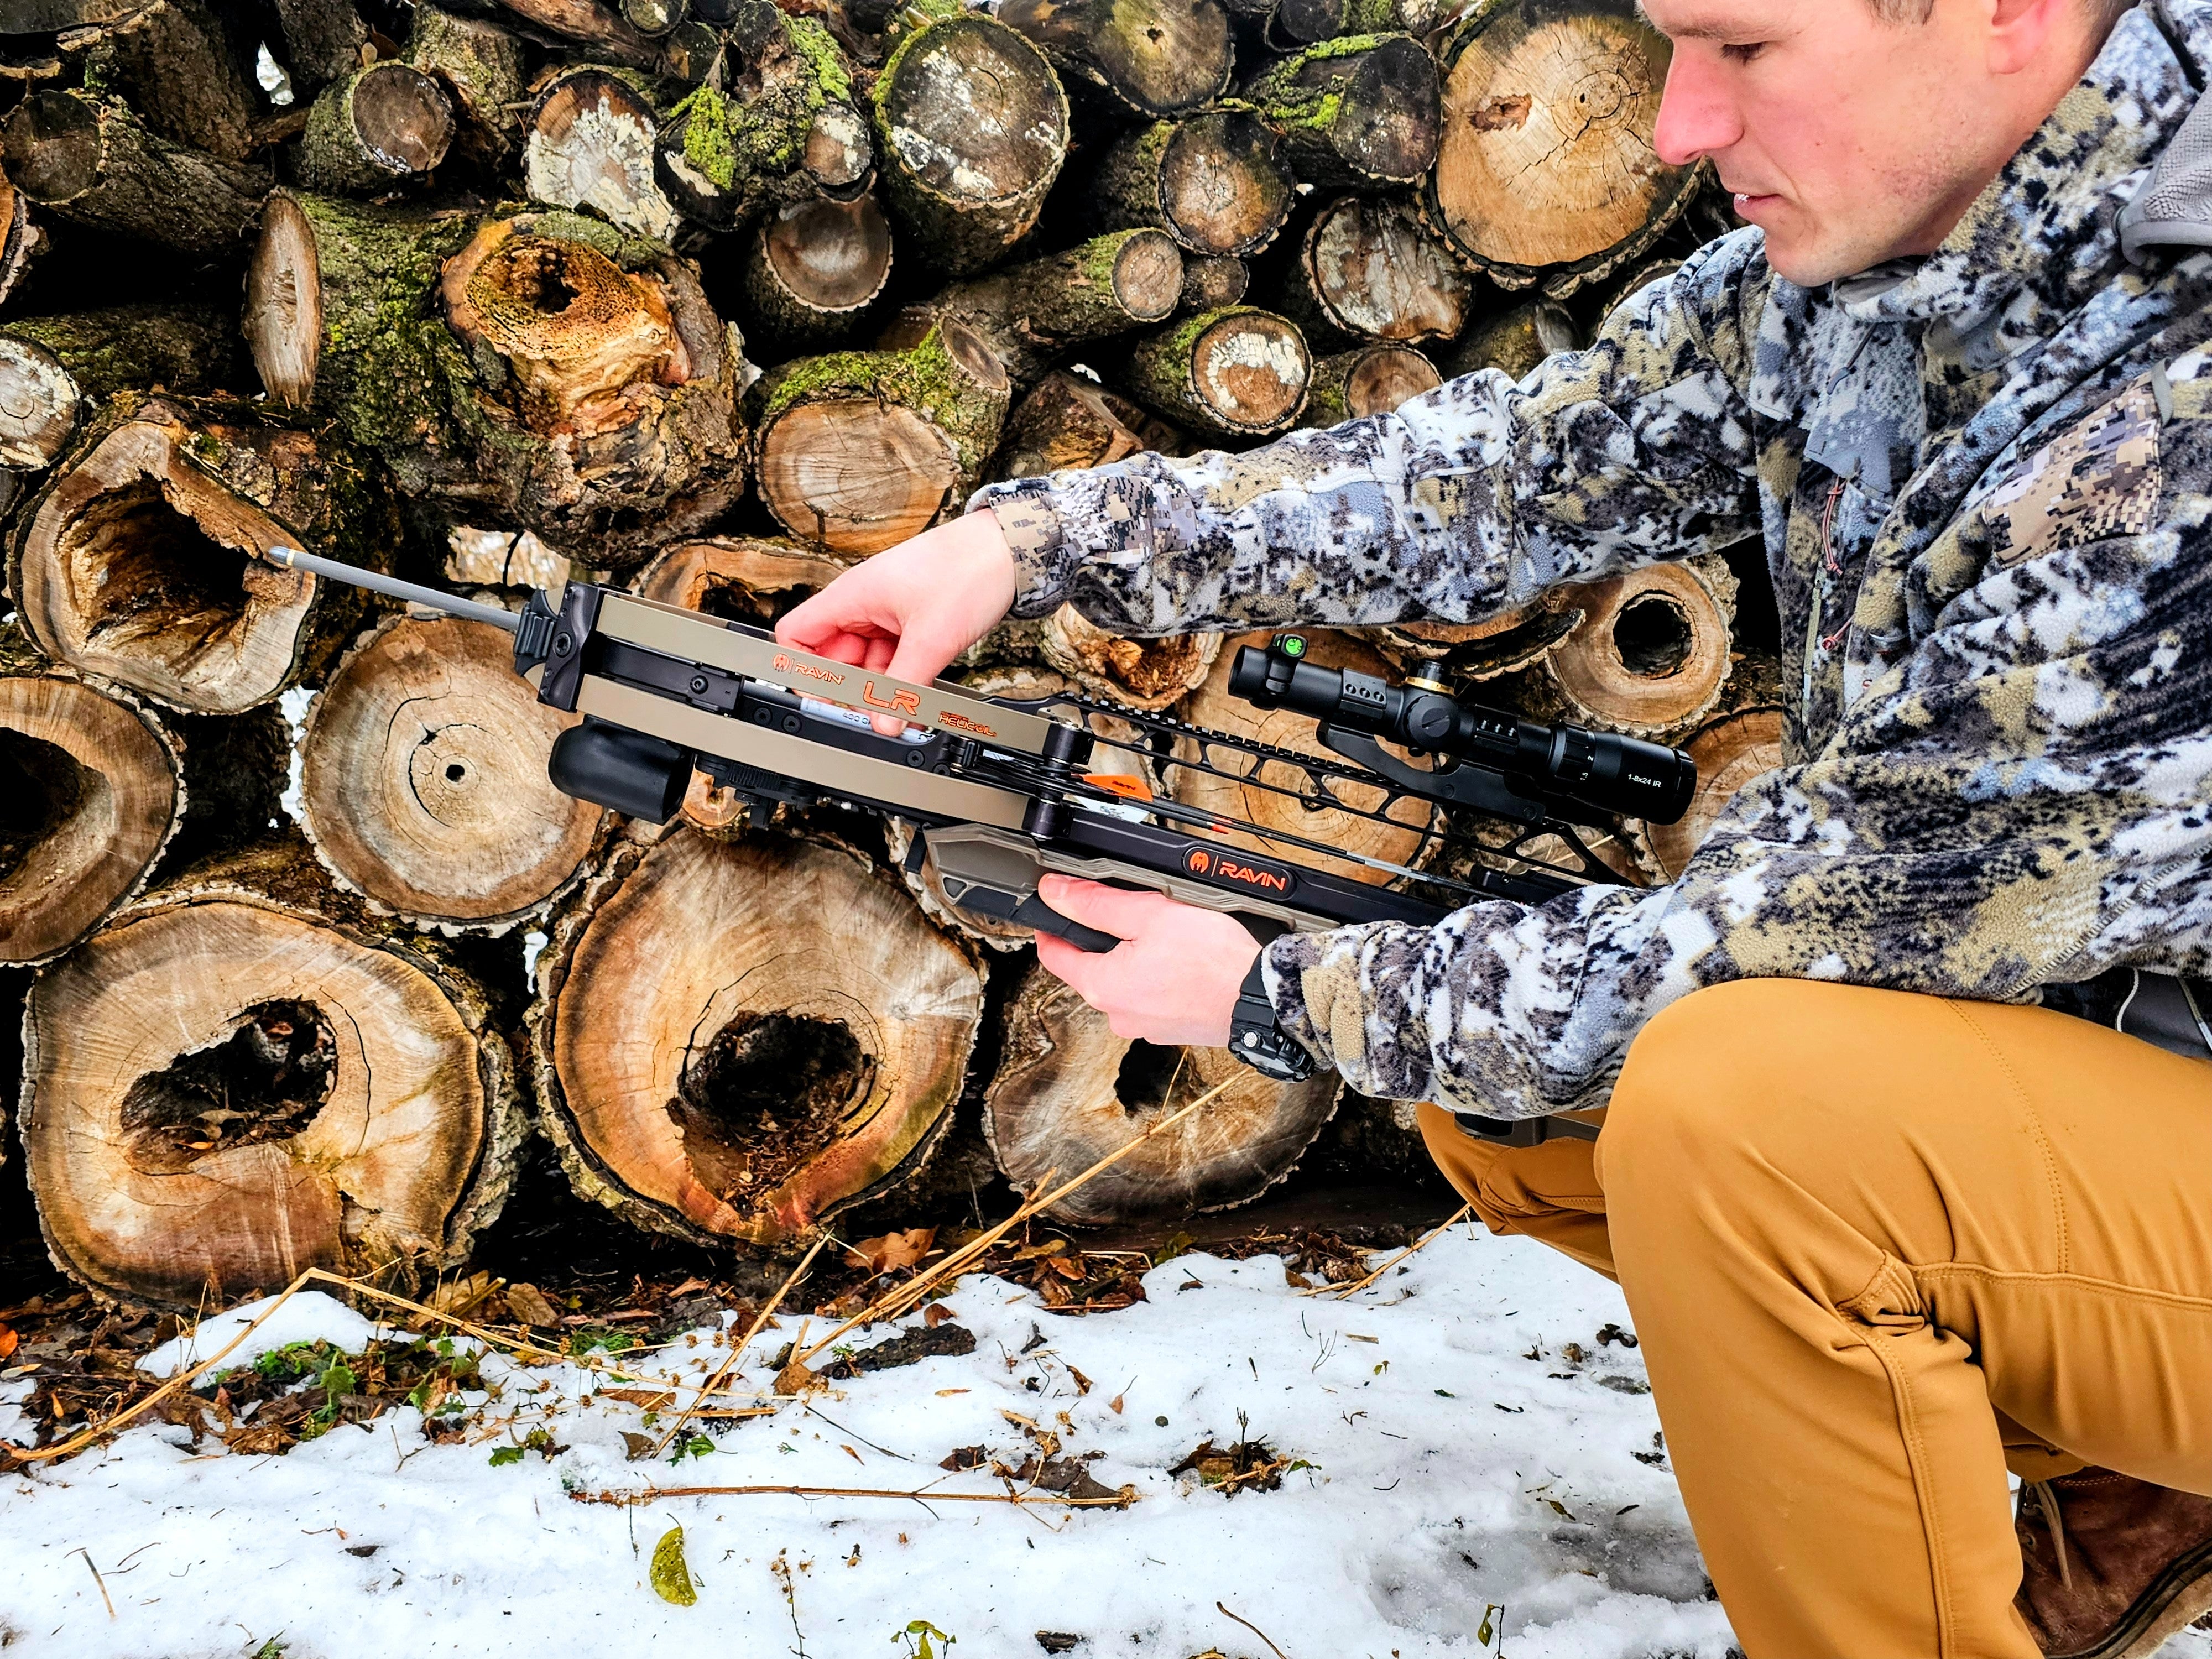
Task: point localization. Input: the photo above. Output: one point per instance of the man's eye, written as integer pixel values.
(1744, 53)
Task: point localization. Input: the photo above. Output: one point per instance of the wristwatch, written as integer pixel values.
(1258, 1040)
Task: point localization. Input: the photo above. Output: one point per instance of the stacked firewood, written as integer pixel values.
(712, 298)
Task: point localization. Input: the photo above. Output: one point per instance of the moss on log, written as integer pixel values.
(1359, 111)
(1238, 372)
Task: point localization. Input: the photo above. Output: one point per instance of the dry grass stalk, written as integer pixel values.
(1420, 1243)
(713, 1383)
(921, 1494)
(895, 1302)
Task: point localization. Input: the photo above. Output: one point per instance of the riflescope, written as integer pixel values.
(1600, 770)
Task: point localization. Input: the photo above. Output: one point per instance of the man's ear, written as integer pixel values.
(2022, 31)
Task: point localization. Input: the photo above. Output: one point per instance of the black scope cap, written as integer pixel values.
(630, 772)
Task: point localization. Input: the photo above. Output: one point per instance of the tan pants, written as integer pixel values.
(1877, 1247)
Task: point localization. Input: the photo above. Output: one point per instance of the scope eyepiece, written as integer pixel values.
(1557, 765)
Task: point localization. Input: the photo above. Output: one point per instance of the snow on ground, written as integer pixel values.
(1449, 1473)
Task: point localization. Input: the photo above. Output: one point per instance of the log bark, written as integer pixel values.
(972, 128)
(480, 66)
(1154, 58)
(1499, 644)
(787, 130)
(1068, 1093)
(601, 410)
(91, 159)
(1212, 281)
(323, 40)
(591, 142)
(238, 1078)
(1730, 751)
(1652, 654)
(1359, 111)
(1239, 372)
(139, 561)
(1032, 313)
(187, 75)
(737, 1041)
(422, 780)
(607, 35)
(858, 450)
(91, 791)
(1406, 839)
(812, 271)
(50, 365)
(1369, 379)
(20, 240)
(1067, 421)
(1216, 183)
(1293, 23)
(1368, 270)
(1546, 163)
(1515, 341)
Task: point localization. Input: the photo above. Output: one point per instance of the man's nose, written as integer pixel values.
(1697, 116)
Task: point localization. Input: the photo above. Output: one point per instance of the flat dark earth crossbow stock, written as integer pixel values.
(999, 791)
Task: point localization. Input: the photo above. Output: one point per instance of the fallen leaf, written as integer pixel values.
(942, 1393)
(936, 1314)
(893, 1250)
(854, 1455)
(1115, 1405)
(670, 1573)
(8, 1340)
(797, 1379)
(652, 1400)
(640, 1445)
(527, 1305)
(1048, 1246)
(1354, 1336)
(1082, 1382)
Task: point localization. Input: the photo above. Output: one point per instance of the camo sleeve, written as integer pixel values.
(2023, 798)
(1467, 501)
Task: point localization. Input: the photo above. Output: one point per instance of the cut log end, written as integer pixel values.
(591, 144)
(225, 1091)
(284, 303)
(1374, 273)
(963, 103)
(1730, 752)
(38, 401)
(855, 474)
(88, 797)
(52, 147)
(830, 257)
(422, 780)
(1368, 381)
(402, 119)
(1237, 371)
(1650, 654)
(740, 1039)
(1148, 276)
(1221, 189)
(1389, 125)
(1143, 674)
(1069, 1092)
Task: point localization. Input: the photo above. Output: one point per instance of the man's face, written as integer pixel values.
(1849, 140)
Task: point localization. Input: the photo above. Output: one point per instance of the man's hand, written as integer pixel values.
(1174, 976)
(911, 608)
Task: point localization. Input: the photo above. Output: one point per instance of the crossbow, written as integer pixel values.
(1000, 790)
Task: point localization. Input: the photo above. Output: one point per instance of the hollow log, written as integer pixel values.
(603, 409)
(739, 578)
(1367, 270)
(1730, 751)
(50, 365)
(1216, 183)
(237, 1079)
(1515, 341)
(139, 562)
(1652, 654)
(1030, 313)
(91, 791)
(323, 40)
(1153, 58)
(480, 66)
(812, 271)
(91, 159)
(1406, 839)
(1212, 281)
(1499, 644)
(738, 1040)
(788, 129)
(1547, 162)
(972, 129)
(1068, 1093)
(591, 142)
(858, 450)
(422, 779)
(1369, 379)
(20, 240)
(1238, 372)
(187, 75)
(1066, 421)
(1143, 674)
(1359, 111)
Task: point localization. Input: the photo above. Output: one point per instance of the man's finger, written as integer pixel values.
(1078, 969)
(1115, 910)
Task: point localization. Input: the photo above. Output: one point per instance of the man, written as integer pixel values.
(1887, 1225)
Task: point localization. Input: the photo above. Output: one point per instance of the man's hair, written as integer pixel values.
(2103, 13)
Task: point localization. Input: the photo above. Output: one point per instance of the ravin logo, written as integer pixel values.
(784, 665)
(1214, 865)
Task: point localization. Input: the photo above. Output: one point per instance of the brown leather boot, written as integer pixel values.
(2110, 1566)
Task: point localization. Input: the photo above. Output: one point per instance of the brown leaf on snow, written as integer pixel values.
(893, 1250)
(527, 1305)
(936, 1314)
(652, 1400)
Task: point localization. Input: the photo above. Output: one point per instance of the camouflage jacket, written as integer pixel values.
(1983, 480)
